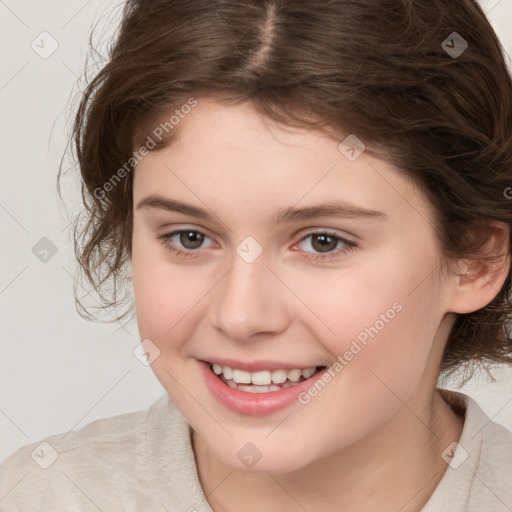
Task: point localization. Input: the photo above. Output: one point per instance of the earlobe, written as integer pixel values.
(480, 280)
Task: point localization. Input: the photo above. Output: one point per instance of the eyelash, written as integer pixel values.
(349, 245)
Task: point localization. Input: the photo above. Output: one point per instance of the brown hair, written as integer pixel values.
(381, 69)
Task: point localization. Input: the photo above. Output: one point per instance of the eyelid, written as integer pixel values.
(168, 231)
(348, 244)
(333, 231)
(342, 235)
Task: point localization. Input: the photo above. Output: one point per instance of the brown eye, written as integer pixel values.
(191, 239)
(323, 242)
(323, 245)
(186, 242)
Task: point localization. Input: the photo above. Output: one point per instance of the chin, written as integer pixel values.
(269, 459)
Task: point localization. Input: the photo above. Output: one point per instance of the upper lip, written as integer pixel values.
(256, 366)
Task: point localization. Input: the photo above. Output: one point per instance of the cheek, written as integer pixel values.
(167, 301)
(377, 320)
(384, 335)
(166, 296)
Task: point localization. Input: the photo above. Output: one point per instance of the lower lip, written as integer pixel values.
(254, 404)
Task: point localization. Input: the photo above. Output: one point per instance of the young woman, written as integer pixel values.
(311, 202)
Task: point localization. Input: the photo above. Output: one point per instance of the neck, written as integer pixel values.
(395, 468)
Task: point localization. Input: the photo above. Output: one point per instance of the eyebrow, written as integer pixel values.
(291, 214)
(329, 209)
(171, 205)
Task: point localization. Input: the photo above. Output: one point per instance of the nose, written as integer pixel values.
(249, 302)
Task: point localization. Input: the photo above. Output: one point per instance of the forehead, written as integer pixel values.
(238, 160)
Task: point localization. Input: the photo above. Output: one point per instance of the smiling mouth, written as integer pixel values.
(263, 381)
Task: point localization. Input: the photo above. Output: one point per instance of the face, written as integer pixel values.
(264, 253)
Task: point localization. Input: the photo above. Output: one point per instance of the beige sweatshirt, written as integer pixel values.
(143, 461)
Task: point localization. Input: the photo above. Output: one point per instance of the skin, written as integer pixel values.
(372, 438)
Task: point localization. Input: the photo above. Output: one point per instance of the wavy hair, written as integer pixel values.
(390, 71)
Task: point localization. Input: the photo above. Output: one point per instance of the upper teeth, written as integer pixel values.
(264, 377)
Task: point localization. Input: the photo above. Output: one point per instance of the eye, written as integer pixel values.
(322, 245)
(184, 242)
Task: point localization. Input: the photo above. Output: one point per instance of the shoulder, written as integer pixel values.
(479, 472)
(70, 469)
(493, 479)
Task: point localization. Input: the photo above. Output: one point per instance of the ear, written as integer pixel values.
(479, 280)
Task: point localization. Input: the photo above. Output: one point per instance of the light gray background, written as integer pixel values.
(57, 371)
